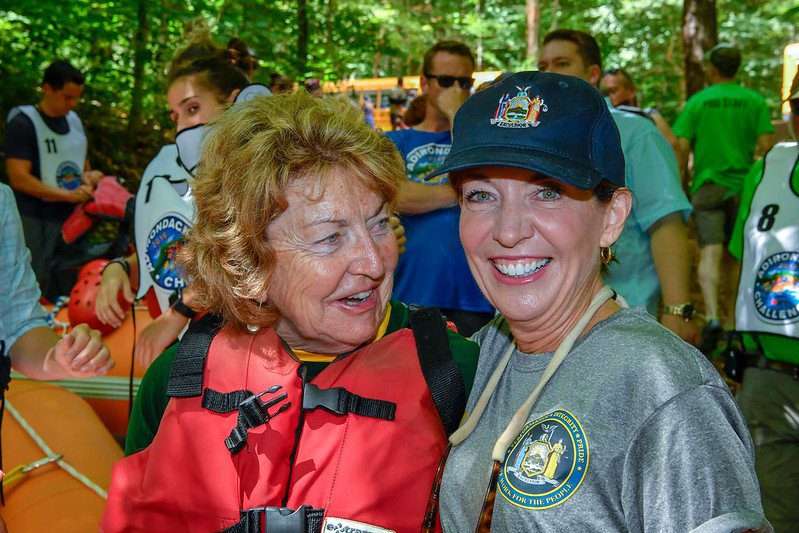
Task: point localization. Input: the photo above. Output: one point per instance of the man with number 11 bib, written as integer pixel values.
(47, 168)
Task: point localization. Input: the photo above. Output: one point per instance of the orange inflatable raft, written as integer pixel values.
(57, 456)
(109, 394)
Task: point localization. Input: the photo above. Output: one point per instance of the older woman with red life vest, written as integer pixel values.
(305, 399)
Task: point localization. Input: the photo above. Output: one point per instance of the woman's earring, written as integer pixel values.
(605, 255)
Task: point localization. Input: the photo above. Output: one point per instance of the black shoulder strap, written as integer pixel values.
(186, 374)
(636, 111)
(439, 368)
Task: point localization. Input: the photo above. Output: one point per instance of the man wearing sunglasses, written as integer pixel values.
(766, 240)
(433, 271)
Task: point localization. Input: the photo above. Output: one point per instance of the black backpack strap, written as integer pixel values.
(186, 374)
(5, 378)
(442, 374)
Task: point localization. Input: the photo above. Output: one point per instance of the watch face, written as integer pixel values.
(688, 311)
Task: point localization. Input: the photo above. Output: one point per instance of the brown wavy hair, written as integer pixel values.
(209, 62)
(250, 156)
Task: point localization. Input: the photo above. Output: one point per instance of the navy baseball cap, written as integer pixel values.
(551, 124)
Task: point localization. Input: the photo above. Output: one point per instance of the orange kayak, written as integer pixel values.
(41, 493)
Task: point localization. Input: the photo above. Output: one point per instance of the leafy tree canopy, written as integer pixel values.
(348, 38)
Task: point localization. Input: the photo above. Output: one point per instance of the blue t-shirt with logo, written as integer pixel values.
(433, 270)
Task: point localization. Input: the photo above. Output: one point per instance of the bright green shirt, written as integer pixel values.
(775, 346)
(151, 399)
(722, 123)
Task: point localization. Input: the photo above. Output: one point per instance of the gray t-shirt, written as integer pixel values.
(635, 432)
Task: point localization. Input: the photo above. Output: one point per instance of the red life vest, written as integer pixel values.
(374, 464)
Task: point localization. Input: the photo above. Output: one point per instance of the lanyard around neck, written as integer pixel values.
(517, 422)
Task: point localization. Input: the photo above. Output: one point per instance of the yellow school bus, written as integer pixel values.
(377, 91)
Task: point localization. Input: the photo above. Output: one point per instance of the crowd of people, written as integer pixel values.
(527, 362)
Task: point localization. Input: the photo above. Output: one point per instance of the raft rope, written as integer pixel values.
(100, 387)
(55, 324)
(50, 456)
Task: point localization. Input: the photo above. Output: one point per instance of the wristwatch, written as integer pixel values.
(687, 310)
(176, 303)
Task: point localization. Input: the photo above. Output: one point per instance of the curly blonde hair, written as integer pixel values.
(250, 156)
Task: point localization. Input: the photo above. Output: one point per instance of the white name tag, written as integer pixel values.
(342, 525)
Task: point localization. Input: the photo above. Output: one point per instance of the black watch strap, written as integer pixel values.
(121, 261)
(176, 303)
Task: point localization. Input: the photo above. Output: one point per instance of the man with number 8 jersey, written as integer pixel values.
(766, 239)
(47, 168)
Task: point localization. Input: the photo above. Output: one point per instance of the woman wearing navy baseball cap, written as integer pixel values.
(584, 415)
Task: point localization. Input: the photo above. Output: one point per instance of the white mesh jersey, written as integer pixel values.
(61, 156)
(768, 291)
(164, 213)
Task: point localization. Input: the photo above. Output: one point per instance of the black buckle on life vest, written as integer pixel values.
(304, 519)
(340, 401)
(253, 413)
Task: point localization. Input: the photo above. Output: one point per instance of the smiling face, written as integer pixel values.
(533, 243)
(336, 256)
(192, 102)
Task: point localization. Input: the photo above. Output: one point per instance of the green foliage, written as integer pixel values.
(349, 39)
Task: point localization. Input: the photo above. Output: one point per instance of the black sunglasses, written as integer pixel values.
(447, 81)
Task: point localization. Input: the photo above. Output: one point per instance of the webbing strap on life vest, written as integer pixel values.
(340, 401)
(443, 377)
(186, 374)
(252, 413)
(224, 402)
(279, 520)
(5, 378)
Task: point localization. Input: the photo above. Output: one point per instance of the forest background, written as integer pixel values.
(123, 46)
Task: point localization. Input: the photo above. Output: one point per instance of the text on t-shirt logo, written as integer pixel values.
(546, 463)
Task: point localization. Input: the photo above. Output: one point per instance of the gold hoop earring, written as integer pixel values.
(605, 255)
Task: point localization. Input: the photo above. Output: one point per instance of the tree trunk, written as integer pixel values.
(302, 38)
(139, 60)
(479, 10)
(555, 10)
(699, 34)
(329, 30)
(533, 15)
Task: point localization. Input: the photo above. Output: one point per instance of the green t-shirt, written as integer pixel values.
(151, 399)
(722, 123)
(775, 347)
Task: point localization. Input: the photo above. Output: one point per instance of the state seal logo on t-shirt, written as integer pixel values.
(546, 463)
(776, 291)
(163, 243)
